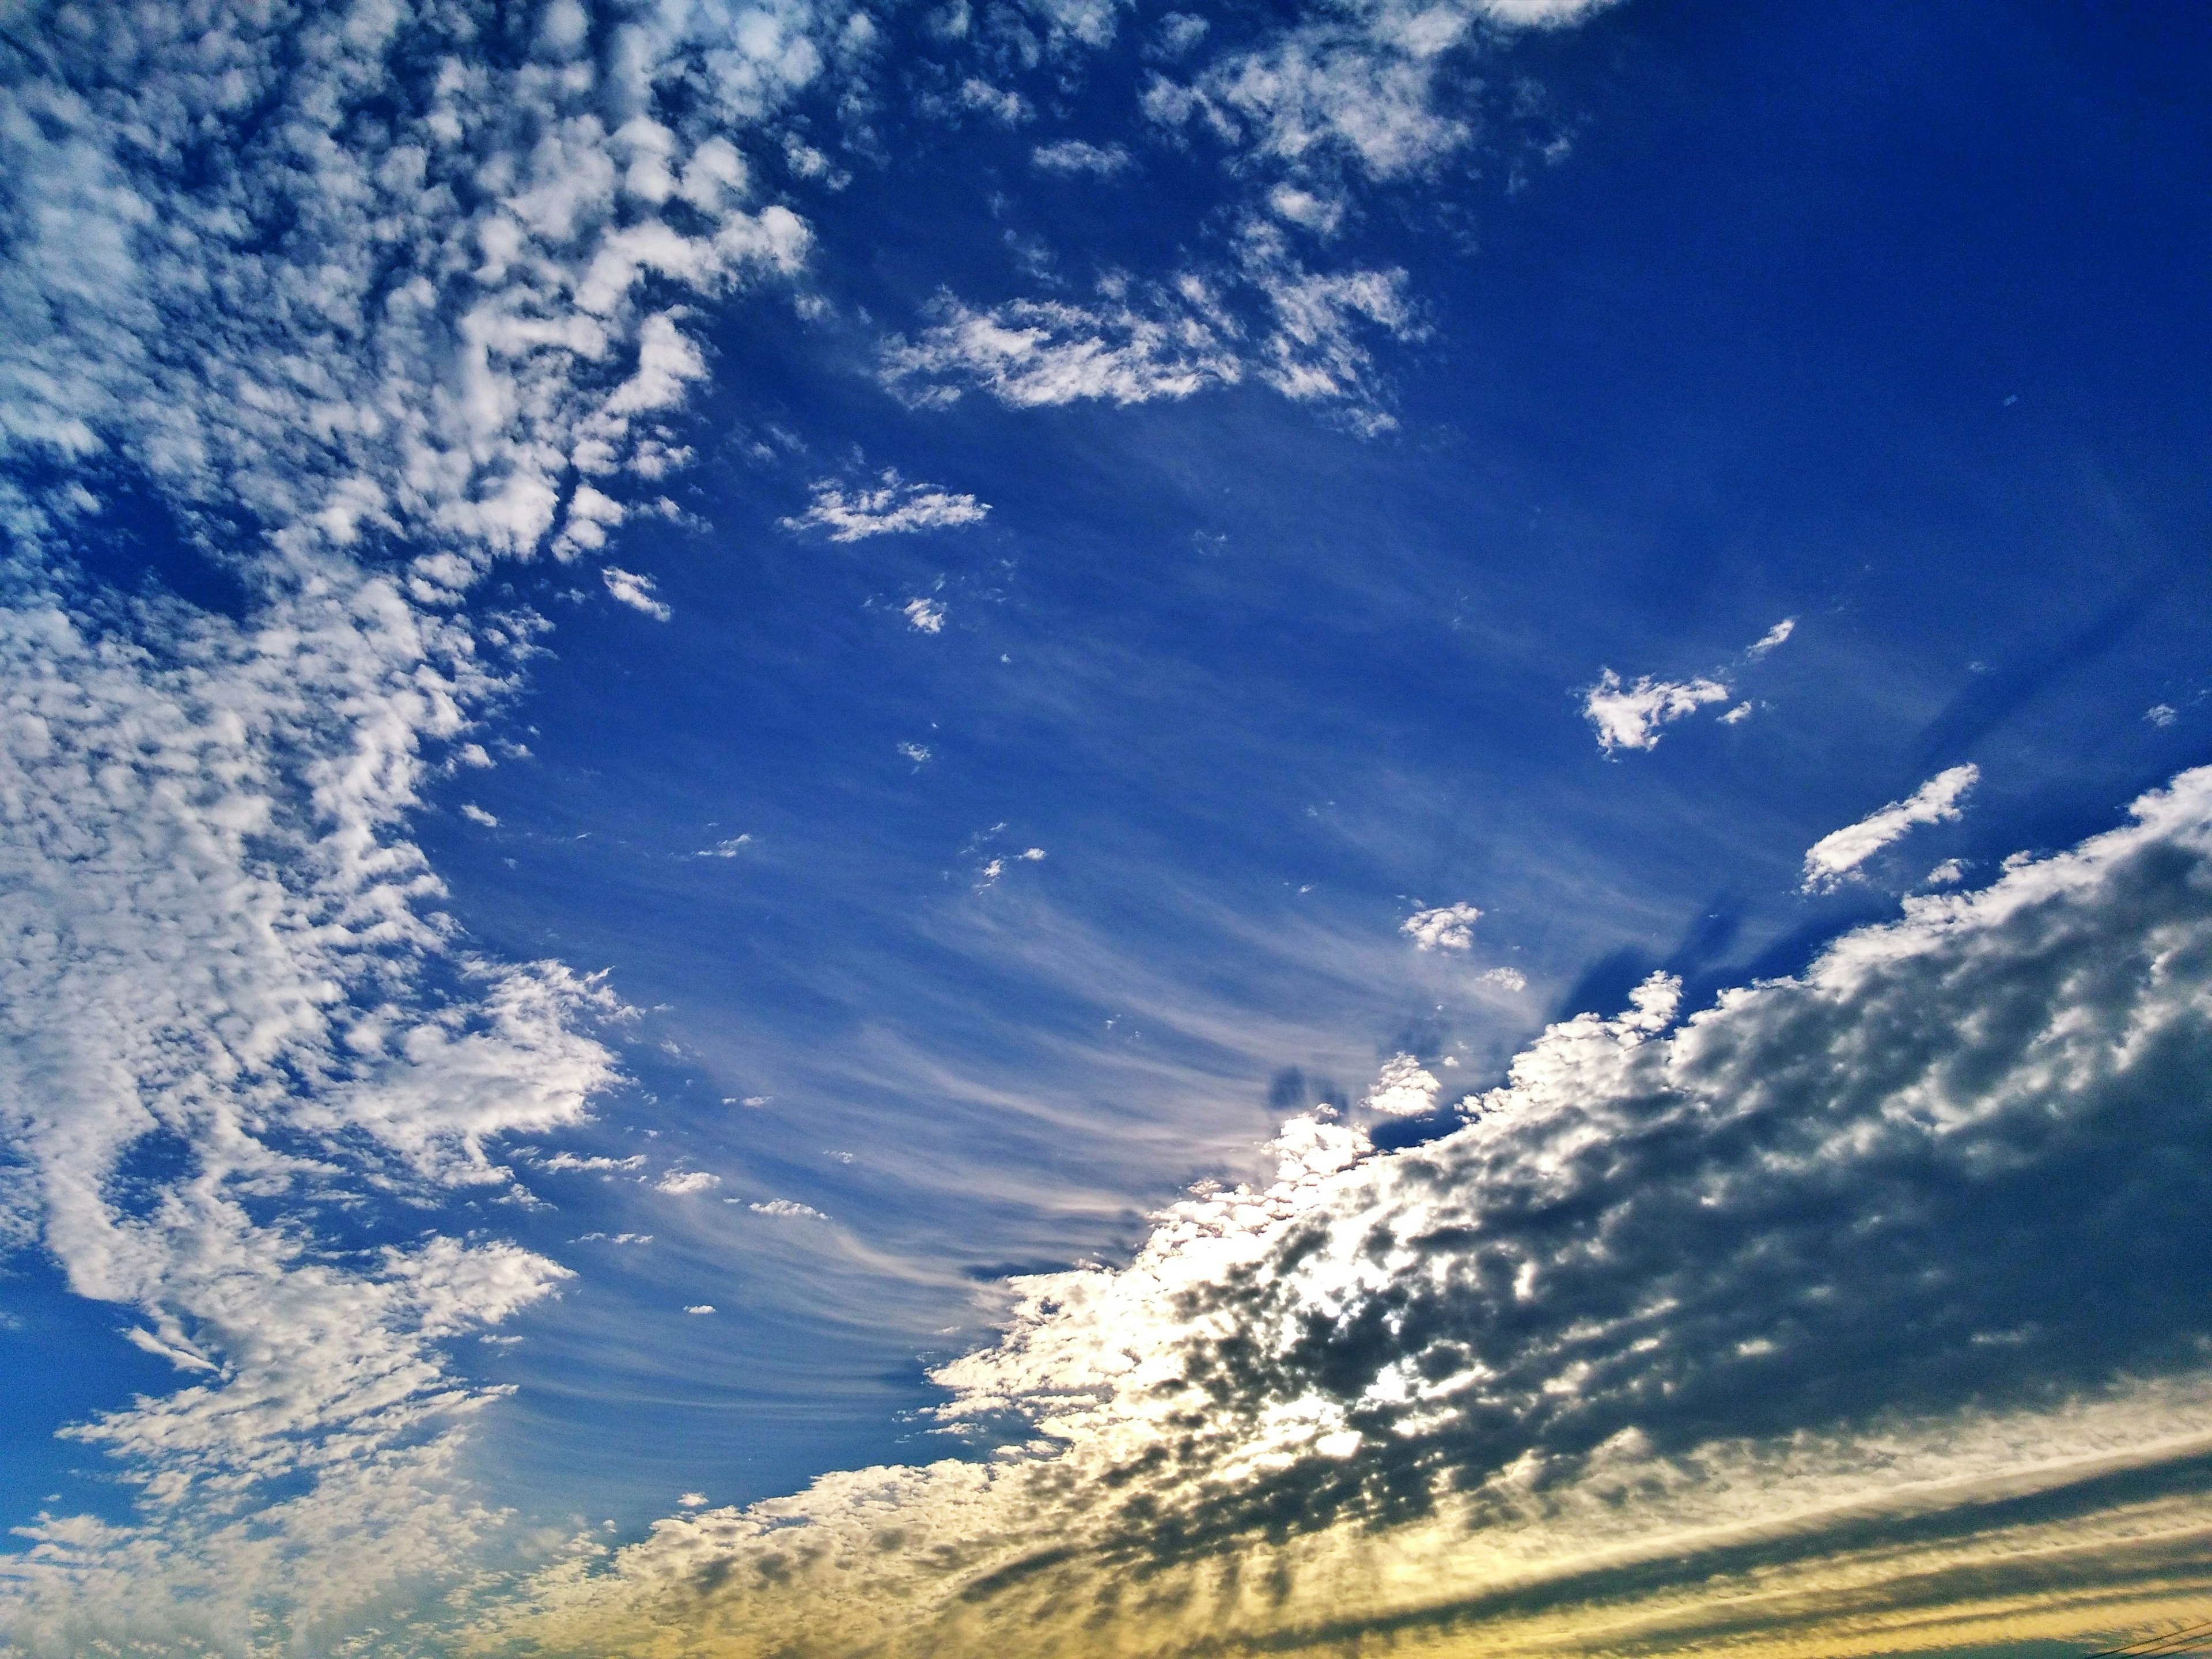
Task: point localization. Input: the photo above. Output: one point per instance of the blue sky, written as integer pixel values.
(978, 666)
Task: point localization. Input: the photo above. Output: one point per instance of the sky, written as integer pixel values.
(931, 828)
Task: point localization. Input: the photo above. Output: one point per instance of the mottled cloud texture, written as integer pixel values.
(1853, 1312)
(372, 297)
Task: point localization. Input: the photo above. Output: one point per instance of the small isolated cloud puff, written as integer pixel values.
(919, 753)
(1403, 1087)
(476, 814)
(1629, 717)
(1949, 873)
(891, 507)
(635, 590)
(1834, 858)
(1737, 715)
(787, 1208)
(925, 615)
(684, 1183)
(725, 849)
(1772, 637)
(1505, 979)
(2161, 714)
(1446, 927)
(699, 1308)
(691, 1500)
(1072, 155)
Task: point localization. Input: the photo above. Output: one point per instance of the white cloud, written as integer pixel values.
(1772, 637)
(1737, 715)
(919, 753)
(1629, 717)
(924, 615)
(682, 1184)
(2161, 714)
(1306, 337)
(787, 1208)
(1002, 104)
(1403, 1087)
(629, 588)
(893, 506)
(476, 814)
(1505, 979)
(570, 1161)
(699, 1308)
(1836, 856)
(1445, 927)
(1540, 13)
(725, 849)
(1949, 873)
(1072, 155)
(1832, 1253)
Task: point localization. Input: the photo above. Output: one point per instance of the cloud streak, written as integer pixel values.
(1838, 855)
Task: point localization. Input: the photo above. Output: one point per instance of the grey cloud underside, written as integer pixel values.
(1895, 1267)
(1964, 1159)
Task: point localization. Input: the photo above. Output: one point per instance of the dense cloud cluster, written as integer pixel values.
(1919, 1220)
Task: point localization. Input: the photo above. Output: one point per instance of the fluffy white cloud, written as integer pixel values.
(1836, 856)
(1682, 1304)
(1445, 927)
(1630, 716)
(789, 1208)
(685, 1183)
(890, 508)
(1403, 1087)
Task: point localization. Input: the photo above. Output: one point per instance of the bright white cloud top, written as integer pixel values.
(1442, 927)
(1837, 857)
(1630, 716)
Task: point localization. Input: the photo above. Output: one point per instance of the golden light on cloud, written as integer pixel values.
(1788, 1329)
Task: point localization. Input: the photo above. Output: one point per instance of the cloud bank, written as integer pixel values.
(1798, 1321)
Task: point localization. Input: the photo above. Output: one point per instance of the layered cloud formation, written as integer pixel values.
(370, 298)
(1873, 1291)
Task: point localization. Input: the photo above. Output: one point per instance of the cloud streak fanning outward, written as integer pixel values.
(1681, 1311)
